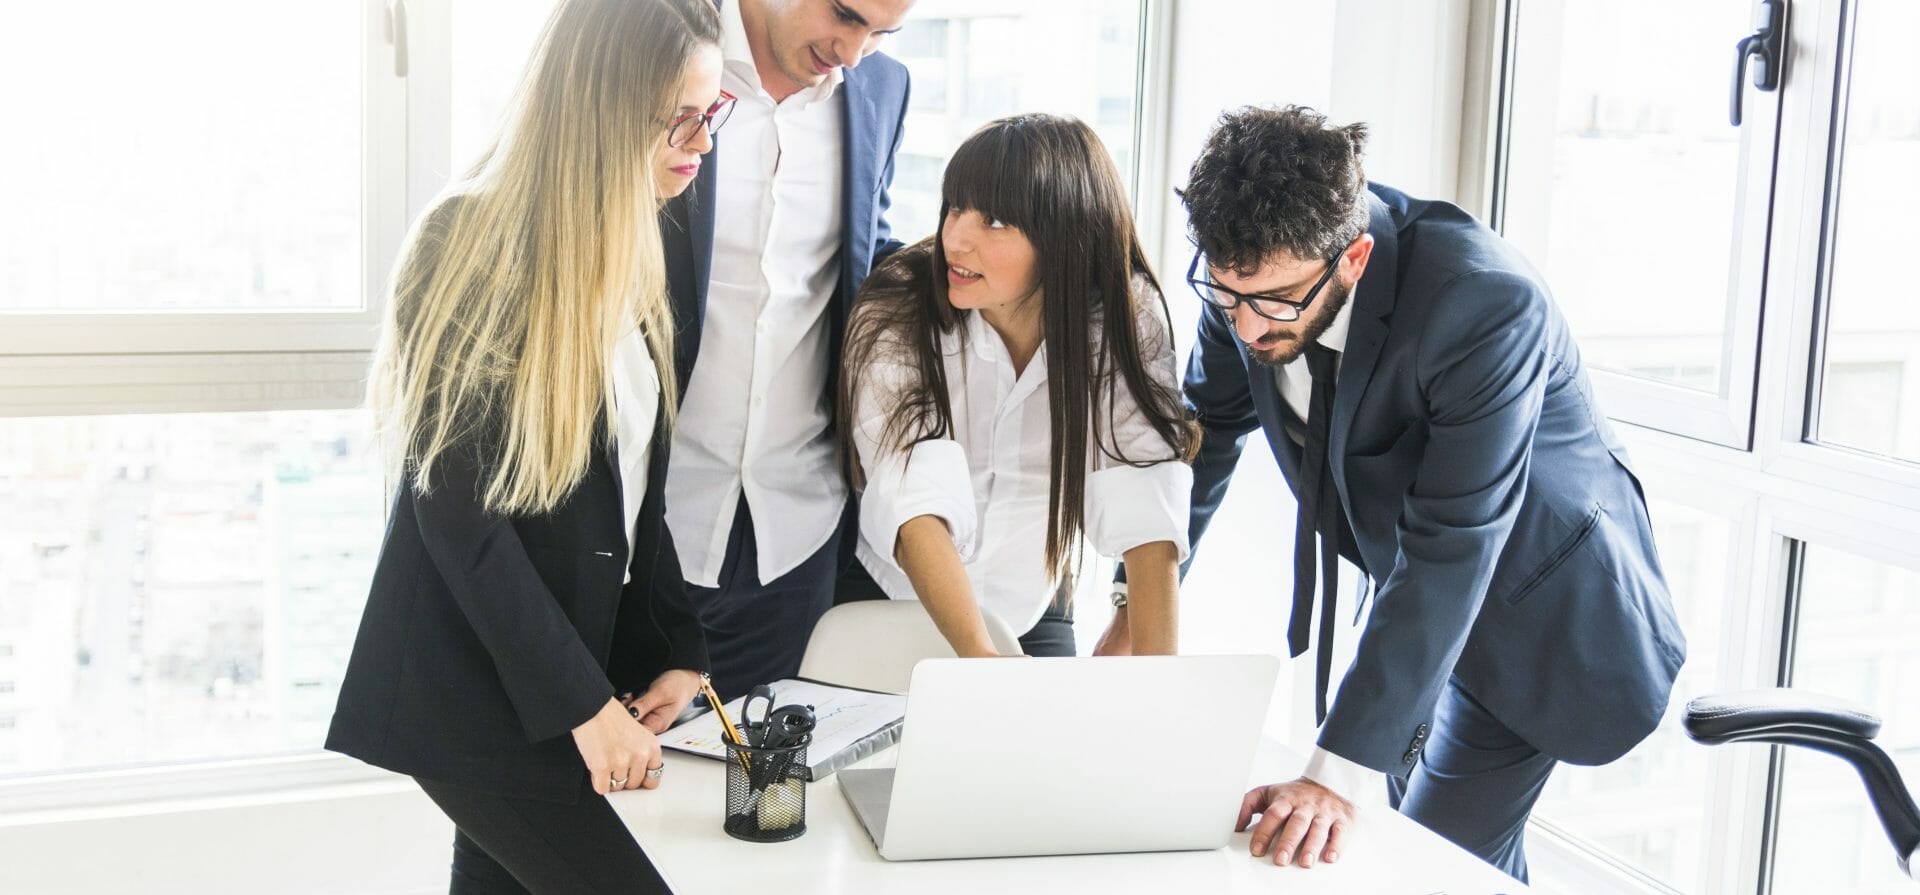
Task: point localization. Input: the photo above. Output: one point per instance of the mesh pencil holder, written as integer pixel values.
(766, 793)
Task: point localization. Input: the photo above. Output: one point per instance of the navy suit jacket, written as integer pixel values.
(873, 101)
(1490, 502)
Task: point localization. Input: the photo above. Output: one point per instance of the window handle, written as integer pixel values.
(1765, 47)
(397, 35)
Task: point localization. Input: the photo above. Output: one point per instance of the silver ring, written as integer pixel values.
(656, 773)
(619, 781)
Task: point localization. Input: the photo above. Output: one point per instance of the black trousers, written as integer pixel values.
(504, 846)
(1052, 635)
(757, 633)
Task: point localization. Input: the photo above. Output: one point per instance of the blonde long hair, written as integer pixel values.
(510, 294)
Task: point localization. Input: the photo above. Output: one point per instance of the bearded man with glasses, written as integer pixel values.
(1427, 405)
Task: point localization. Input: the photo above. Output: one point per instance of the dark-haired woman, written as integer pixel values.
(1010, 398)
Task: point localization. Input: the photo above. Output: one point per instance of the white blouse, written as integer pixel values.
(989, 480)
(636, 399)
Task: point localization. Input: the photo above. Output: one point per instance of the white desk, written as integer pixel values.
(679, 826)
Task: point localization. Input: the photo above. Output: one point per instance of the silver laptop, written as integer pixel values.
(1067, 756)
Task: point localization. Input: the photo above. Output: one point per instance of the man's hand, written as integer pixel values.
(664, 699)
(1118, 639)
(1299, 820)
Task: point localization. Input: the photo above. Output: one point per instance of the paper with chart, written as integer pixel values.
(848, 724)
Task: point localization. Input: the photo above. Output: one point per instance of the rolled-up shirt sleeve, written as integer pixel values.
(1143, 494)
(1128, 506)
(927, 478)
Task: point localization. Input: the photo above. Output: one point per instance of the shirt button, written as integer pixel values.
(759, 400)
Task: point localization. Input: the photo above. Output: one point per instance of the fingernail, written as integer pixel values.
(1307, 859)
(1333, 856)
(1284, 857)
(633, 711)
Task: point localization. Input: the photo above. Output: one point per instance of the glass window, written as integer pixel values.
(491, 42)
(1653, 808)
(969, 67)
(182, 586)
(1070, 57)
(196, 155)
(1828, 838)
(1869, 400)
(1623, 182)
(924, 48)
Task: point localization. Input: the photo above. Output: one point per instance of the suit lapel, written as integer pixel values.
(686, 236)
(861, 120)
(1372, 304)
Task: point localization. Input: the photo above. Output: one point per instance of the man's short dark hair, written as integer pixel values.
(1272, 179)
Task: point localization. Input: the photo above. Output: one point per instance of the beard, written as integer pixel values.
(1333, 297)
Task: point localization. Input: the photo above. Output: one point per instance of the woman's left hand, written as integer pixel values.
(665, 699)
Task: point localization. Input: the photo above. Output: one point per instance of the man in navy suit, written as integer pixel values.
(1428, 407)
(764, 255)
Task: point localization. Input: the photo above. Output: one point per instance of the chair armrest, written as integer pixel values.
(1747, 714)
(1825, 724)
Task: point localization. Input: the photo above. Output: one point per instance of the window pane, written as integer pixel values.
(1870, 399)
(178, 587)
(491, 42)
(1076, 57)
(1856, 641)
(202, 154)
(1629, 206)
(1652, 810)
(971, 65)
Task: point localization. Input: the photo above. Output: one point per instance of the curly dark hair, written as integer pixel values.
(1272, 179)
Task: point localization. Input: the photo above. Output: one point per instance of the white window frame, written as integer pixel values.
(1789, 488)
(1725, 417)
(65, 363)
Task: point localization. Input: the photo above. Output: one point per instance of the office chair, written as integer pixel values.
(1824, 723)
(874, 644)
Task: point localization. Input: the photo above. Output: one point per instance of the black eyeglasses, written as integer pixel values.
(1269, 306)
(680, 130)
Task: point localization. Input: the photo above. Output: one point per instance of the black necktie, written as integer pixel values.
(1319, 503)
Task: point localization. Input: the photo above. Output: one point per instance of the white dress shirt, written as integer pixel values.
(989, 480)
(636, 402)
(1354, 782)
(1295, 382)
(756, 418)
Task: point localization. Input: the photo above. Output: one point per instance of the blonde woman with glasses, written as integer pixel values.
(527, 633)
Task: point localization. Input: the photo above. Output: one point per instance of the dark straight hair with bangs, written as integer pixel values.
(1052, 179)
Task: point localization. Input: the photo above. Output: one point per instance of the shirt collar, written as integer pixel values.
(736, 55)
(1336, 335)
(987, 345)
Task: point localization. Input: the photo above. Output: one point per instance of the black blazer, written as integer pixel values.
(487, 639)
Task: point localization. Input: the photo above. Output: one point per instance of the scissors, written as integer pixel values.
(788, 725)
(756, 733)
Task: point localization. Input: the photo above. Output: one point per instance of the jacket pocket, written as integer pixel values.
(1555, 557)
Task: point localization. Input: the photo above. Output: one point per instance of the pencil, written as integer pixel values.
(726, 723)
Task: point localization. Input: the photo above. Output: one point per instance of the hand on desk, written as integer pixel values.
(664, 699)
(1301, 819)
(618, 752)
